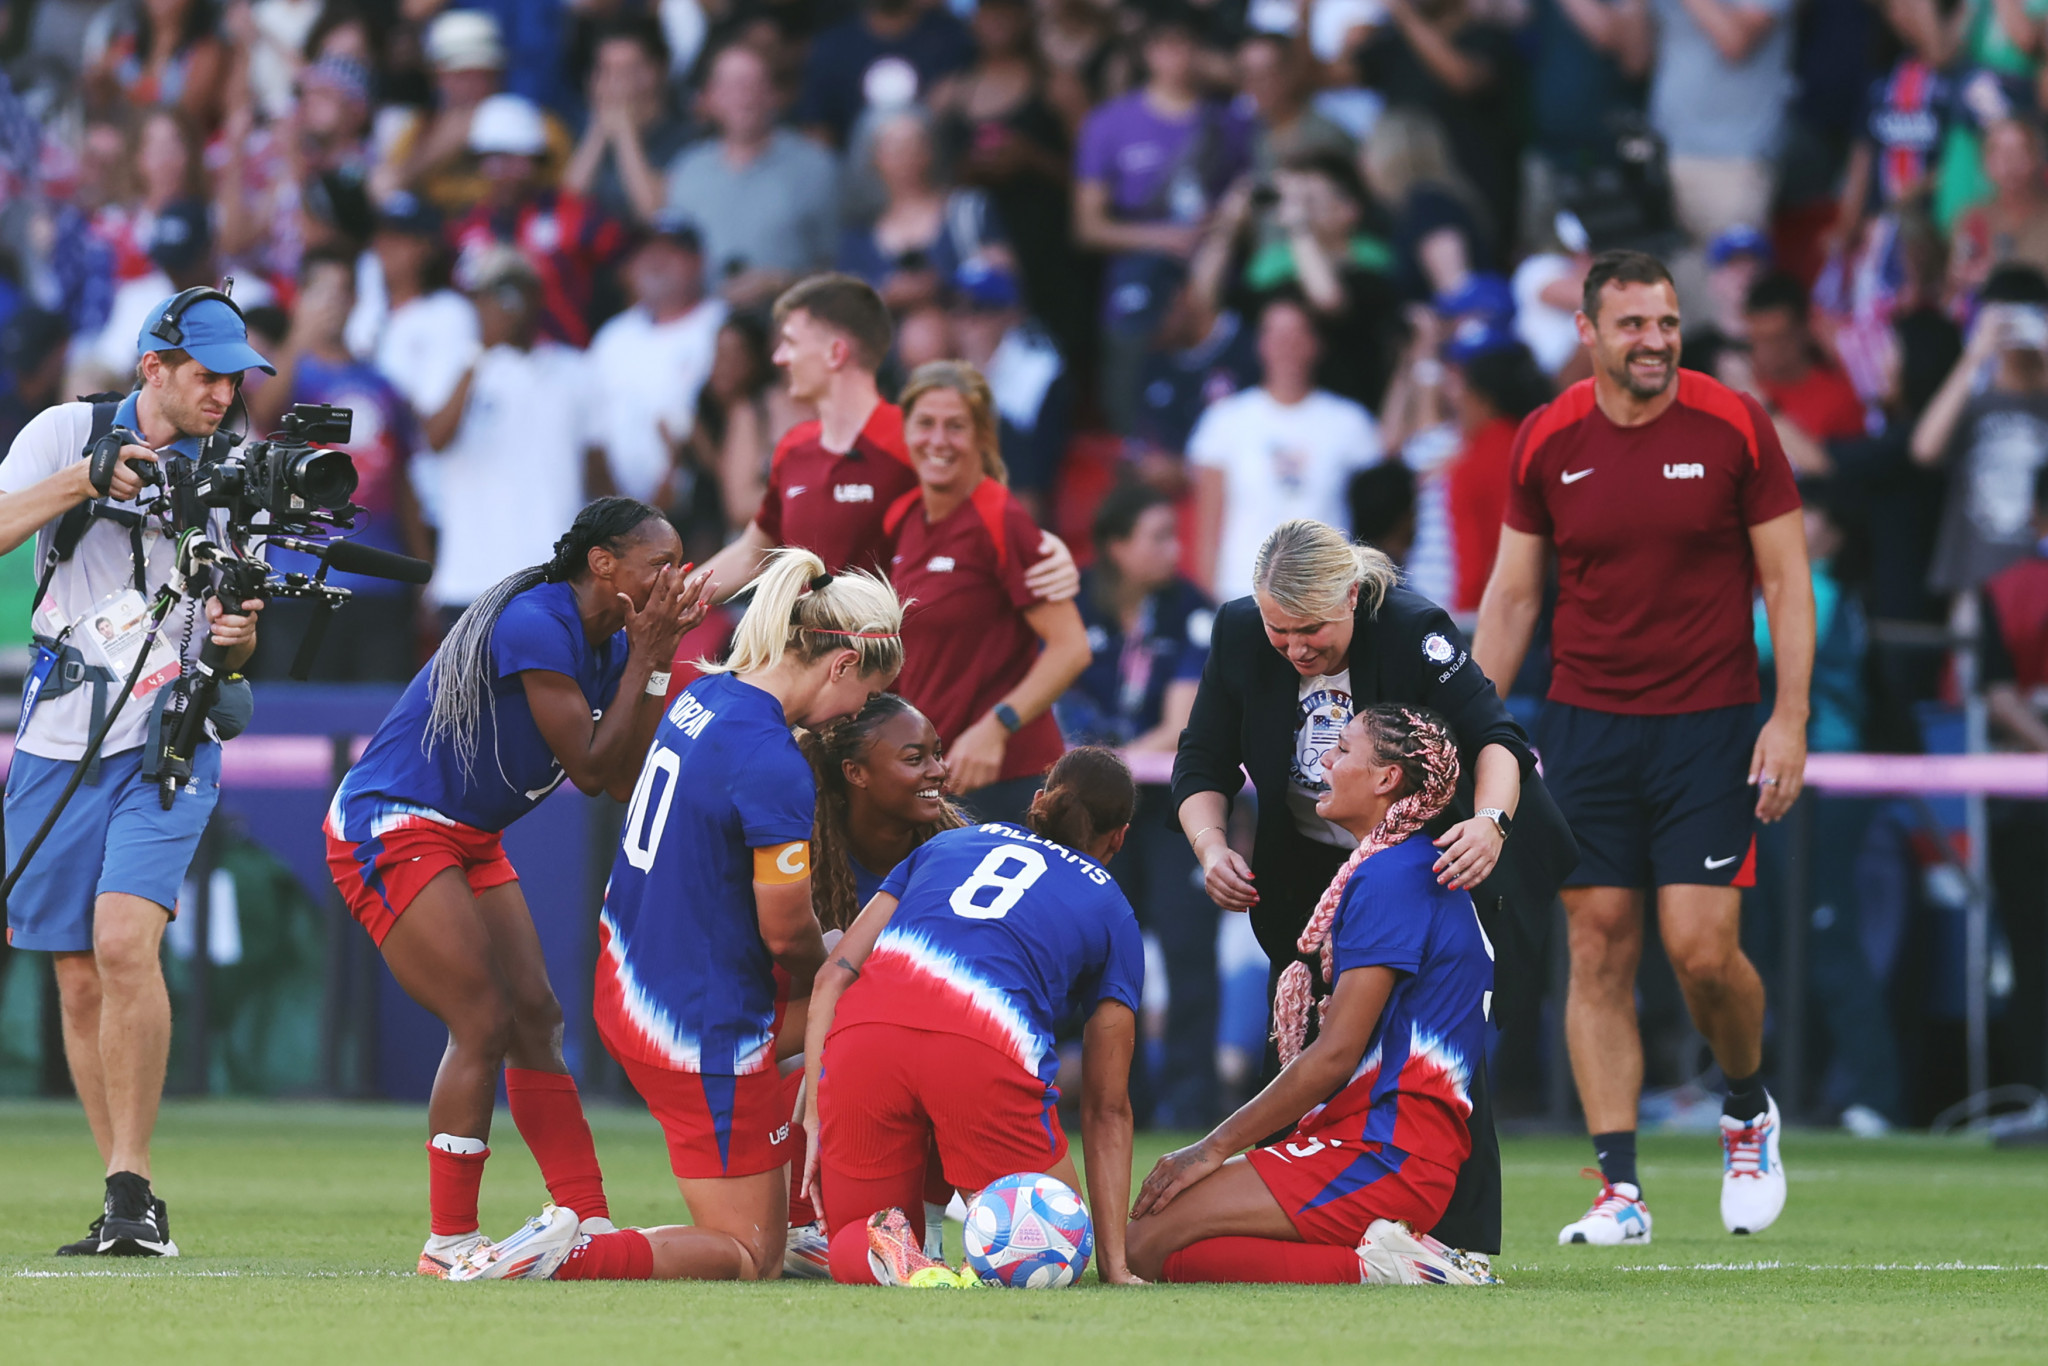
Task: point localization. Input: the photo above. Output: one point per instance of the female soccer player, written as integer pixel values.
(1379, 1100)
(934, 1023)
(707, 941)
(525, 691)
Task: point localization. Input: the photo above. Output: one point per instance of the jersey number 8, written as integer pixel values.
(1010, 886)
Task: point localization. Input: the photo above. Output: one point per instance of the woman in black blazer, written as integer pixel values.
(1330, 630)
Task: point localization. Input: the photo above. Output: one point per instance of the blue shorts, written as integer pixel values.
(1655, 801)
(114, 836)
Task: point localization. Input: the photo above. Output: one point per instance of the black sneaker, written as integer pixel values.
(134, 1224)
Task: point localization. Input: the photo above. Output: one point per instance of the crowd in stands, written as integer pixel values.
(1234, 260)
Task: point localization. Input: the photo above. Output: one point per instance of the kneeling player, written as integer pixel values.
(1378, 1101)
(933, 1023)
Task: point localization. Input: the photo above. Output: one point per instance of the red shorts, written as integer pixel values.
(380, 876)
(887, 1092)
(717, 1126)
(1333, 1187)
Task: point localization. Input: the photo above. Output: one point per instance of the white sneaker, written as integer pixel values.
(1752, 1178)
(1391, 1255)
(445, 1249)
(1618, 1216)
(807, 1256)
(532, 1254)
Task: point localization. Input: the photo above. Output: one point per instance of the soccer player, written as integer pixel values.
(707, 942)
(934, 1024)
(1668, 499)
(557, 672)
(1379, 1100)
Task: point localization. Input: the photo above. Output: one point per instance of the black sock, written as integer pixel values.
(1617, 1154)
(1746, 1099)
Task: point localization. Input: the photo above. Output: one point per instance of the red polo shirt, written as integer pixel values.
(834, 504)
(1651, 525)
(965, 640)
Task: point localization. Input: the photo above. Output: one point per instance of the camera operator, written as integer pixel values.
(99, 892)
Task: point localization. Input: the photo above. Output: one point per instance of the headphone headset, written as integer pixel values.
(167, 329)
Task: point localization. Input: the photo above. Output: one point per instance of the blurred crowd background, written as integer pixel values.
(1225, 262)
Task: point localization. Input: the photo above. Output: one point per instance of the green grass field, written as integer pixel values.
(298, 1220)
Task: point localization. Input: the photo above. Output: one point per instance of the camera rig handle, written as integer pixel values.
(236, 580)
(106, 454)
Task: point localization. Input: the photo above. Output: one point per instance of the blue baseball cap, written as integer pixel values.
(1483, 296)
(1740, 240)
(1478, 336)
(210, 331)
(979, 285)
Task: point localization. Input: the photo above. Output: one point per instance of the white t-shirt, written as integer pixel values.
(1323, 712)
(647, 375)
(425, 345)
(102, 566)
(1279, 461)
(512, 479)
(115, 348)
(1551, 334)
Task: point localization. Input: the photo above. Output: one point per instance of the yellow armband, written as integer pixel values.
(781, 864)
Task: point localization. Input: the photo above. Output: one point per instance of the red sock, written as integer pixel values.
(850, 1255)
(549, 1114)
(452, 1181)
(1264, 1261)
(937, 1189)
(622, 1256)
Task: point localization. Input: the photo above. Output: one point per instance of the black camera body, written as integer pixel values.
(285, 480)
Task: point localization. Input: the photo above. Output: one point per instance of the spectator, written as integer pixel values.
(924, 234)
(1586, 65)
(270, 38)
(632, 133)
(887, 56)
(164, 52)
(1279, 451)
(32, 367)
(1149, 630)
(1719, 87)
(742, 412)
(1995, 47)
(167, 169)
(1737, 259)
(648, 364)
(511, 443)
(1199, 357)
(371, 638)
(1494, 383)
(1993, 438)
(1272, 71)
(1033, 395)
(1440, 234)
(263, 173)
(1547, 285)
(181, 252)
(2013, 224)
(1151, 166)
(1906, 117)
(421, 334)
(762, 197)
(1790, 374)
(571, 243)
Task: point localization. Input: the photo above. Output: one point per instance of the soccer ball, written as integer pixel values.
(1028, 1232)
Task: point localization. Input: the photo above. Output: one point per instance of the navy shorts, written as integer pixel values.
(1655, 801)
(114, 836)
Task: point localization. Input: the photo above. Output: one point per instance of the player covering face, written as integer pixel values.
(1378, 1099)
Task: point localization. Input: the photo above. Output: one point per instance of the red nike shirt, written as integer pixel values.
(1651, 526)
(834, 504)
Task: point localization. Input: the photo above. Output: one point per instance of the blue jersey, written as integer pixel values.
(1412, 1088)
(514, 769)
(684, 980)
(1001, 935)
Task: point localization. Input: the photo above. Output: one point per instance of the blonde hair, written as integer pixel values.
(963, 379)
(1308, 569)
(1408, 148)
(798, 605)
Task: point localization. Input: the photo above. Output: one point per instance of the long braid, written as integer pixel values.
(1420, 743)
(460, 677)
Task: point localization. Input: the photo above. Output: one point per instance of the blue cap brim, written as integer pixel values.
(229, 357)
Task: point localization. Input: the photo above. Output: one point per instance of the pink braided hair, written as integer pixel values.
(1402, 733)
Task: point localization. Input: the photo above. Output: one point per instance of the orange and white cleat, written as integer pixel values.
(444, 1250)
(897, 1258)
(541, 1245)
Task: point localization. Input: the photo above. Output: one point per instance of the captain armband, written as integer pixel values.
(778, 865)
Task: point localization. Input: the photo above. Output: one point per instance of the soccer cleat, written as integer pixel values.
(89, 1245)
(1618, 1216)
(540, 1246)
(896, 1258)
(1393, 1255)
(596, 1224)
(133, 1223)
(1752, 1178)
(444, 1250)
(1477, 1265)
(807, 1256)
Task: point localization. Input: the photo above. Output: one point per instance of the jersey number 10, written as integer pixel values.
(1009, 886)
(643, 835)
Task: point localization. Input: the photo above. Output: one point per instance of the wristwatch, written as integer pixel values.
(1502, 821)
(1007, 714)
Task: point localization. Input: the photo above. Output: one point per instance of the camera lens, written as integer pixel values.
(325, 479)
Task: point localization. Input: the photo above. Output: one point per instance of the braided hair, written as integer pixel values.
(1419, 743)
(460, 677)
(830, 748)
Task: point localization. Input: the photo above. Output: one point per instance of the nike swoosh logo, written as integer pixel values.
(1573, 477)
(1722, 862)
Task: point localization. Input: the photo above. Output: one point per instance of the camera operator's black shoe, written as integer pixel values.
(134, 1224)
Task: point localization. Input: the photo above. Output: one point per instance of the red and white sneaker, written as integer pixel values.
(1393, 1255)
(1618, 1216)
(541, 1245)
(897, 1259)
(444, 1250)
(807, 1256)
(1752, 1178)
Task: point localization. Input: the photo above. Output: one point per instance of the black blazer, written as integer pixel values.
(1408, 652)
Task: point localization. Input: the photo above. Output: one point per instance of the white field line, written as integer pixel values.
(30, 1274)
(1668, 1267)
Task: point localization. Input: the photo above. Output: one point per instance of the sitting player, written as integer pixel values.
(1379, 1100)
(707, 941)
(881, 781)
(933, 1025)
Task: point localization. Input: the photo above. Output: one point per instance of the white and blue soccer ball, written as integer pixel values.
(1029, 1232)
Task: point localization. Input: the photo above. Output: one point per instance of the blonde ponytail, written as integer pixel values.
(1308, 568)
(800, 606)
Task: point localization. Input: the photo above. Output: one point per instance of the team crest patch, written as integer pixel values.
(1436, 649)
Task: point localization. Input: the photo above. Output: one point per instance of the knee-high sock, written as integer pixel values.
(549, 1114)
(802, 1208)
(852, 1199)
(622, 1256)
(1267, 1261)
(452, 1181)
(850, 1255)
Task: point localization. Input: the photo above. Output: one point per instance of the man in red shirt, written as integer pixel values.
(1793, 377)
(1666, 497)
